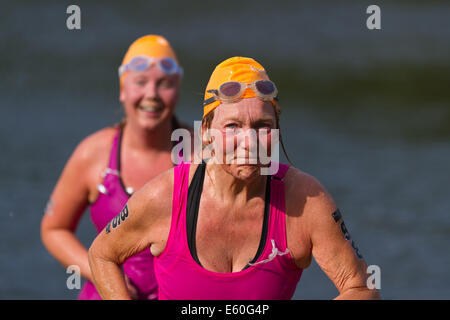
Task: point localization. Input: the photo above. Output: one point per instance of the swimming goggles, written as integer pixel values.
(142, 63)
(232, 91)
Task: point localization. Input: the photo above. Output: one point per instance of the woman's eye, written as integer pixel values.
(231, 126)
(167, 84)
(264, 126)
(141, 82)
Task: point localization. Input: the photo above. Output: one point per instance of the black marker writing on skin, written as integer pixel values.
(337, 216)
(115, 222)
(356, 250)
(345, 231)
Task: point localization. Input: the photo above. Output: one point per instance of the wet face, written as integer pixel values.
(238, 132)
(149, 97)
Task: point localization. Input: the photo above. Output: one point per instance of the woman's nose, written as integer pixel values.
(151, 90)
(248, 140)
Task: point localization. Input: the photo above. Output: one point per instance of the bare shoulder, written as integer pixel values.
(154, 200)
(159, 190)
(151, 208)
(95, 146)
(92, 155)
(305, 194)
(89, 155)
(307, 202)
(157, 194)
(77, 182)
(89, 159)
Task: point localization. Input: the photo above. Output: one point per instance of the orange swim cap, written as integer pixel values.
(151, 45)
(241, 69)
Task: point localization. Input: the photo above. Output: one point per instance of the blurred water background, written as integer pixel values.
(365, 112)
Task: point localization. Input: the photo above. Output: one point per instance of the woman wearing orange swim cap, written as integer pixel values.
(109, 165)
(225, 230)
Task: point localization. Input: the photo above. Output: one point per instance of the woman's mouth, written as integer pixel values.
(152, 111)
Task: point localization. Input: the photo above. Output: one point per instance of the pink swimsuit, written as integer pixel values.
(111, 200)
(272, 274)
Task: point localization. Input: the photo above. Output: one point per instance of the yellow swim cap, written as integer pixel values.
(151, 45)
(241, 69)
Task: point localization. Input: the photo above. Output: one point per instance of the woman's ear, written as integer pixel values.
(207, 142)
(205, 135)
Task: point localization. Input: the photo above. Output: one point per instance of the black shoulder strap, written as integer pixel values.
(262, 242)
(192, 206)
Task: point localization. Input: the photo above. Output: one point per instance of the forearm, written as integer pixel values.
(108, 277)
(67, 249)
(359, 294)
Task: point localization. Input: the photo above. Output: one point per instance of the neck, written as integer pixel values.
(157, 139)
(226, 187)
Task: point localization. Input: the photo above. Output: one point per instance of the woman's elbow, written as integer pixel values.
(97, 253)
(93, 253)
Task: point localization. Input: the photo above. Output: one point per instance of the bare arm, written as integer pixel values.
(324, 236)
(67, 203)
(336, 252)
(144, 222)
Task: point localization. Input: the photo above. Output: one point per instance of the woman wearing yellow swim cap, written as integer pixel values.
(109, 165)
(224, 230)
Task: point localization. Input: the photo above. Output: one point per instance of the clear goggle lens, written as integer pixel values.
(142, 63)
(231, 91)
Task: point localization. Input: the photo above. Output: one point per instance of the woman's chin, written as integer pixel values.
(152, 122)
(244, 171)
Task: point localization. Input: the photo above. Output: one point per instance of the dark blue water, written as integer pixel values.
(363, 112)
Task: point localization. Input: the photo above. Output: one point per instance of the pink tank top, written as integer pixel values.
(273, 276)
(111, 200)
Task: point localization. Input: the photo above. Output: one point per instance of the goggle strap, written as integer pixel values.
(213, 91)
(212, 99)
(208, 101)
(216, 93)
